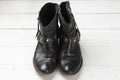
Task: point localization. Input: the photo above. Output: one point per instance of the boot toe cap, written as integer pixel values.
(46, 65)
(70, 66)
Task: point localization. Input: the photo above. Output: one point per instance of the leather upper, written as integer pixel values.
(47, 48)
(70, 58)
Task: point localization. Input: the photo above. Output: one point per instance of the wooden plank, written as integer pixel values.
(101, 56)
(16, 55)
(93, 56)
(98, 21)
(84, 21)
(17, 37)
(77, 6)
(58, 0)
(88, 37)
(16, 72)
(100, 37)
(18, 20)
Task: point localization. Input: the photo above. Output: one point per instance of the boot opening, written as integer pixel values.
(64, 12)
(47, 13)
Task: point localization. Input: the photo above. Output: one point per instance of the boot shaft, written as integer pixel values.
(67, 21)
(48, 19)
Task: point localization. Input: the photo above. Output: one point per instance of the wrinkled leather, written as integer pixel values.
(45, 57)
(70, 58)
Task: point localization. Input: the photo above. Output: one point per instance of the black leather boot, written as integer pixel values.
(70, 58)
(45, 57)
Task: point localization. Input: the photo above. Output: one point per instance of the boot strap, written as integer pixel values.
(76, 37)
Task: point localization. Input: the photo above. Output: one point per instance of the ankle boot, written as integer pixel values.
(70, 58)
(45, 56)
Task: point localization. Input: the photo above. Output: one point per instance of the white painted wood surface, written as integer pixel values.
(98, 21)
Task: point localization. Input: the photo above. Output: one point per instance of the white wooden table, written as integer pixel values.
(98, 21)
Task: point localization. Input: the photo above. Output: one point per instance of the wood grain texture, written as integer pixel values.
(84, 21)
(93, 56)
(88, 38)
(77, 6)
(87, 73)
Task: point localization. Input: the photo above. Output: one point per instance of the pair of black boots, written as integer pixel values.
(57, 46)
